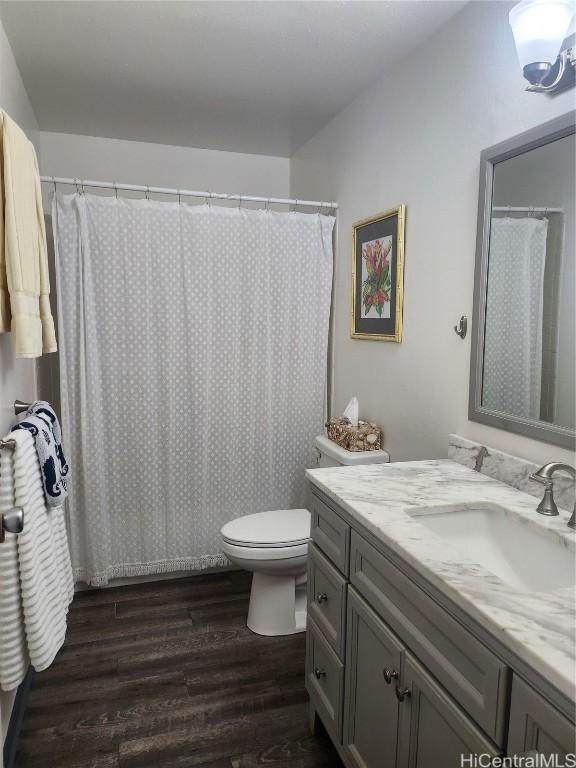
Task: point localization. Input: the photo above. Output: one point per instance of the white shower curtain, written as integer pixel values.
(193, 346)
(514, 316)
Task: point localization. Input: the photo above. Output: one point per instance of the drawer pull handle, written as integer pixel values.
(319, 673)
(389, 675)
(402, 693)
(321, 597)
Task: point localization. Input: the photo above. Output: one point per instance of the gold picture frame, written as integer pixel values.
(378, 276)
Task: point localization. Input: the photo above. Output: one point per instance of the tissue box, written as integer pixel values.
(367, 436)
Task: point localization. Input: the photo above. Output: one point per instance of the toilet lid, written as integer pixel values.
(278, 528)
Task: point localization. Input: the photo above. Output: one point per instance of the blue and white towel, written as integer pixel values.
(42, 423)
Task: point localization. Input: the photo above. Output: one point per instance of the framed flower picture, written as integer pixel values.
(378, 276)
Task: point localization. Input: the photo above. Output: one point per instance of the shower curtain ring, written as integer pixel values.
(239, 202)
(179, 198)
(268, 205)
(209, 199)
(115, 186)
(147, 192)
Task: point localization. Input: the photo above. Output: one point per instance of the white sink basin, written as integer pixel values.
(520, 554)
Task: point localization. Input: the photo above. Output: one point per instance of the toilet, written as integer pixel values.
(274, 546)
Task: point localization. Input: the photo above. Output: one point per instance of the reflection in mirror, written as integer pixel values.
(530, 340)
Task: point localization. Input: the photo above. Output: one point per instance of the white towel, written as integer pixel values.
(36, 584)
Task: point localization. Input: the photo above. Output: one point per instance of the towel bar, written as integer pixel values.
(11, 521)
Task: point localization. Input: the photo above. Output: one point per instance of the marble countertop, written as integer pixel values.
(539, 627)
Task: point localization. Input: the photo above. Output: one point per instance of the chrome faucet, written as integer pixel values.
(545, 476)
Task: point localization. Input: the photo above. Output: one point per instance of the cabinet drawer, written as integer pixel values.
(326, 599)
(324, 680)
(330, 533)
(472, 674)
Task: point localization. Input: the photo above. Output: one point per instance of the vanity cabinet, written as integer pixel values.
(395, 678)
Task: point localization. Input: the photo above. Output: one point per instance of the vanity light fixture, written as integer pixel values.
(539, 28)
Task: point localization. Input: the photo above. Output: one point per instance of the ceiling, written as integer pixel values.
(247, 76)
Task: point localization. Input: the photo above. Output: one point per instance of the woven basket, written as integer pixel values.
(367, 436)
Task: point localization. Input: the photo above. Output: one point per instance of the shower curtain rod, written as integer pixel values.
(81, 183)
(523, 208)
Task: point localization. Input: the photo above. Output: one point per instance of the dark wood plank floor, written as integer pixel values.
(166, 675)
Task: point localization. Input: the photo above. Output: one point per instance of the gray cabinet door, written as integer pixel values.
(535, 726)
(374, 655)
(433, 731)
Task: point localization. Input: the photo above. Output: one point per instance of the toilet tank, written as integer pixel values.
(332, 455)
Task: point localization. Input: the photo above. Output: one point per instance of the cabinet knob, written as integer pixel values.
(389, 675)
(402, 693)
(319, 673)
(321, 597)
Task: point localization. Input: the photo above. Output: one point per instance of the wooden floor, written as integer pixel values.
(166, 675)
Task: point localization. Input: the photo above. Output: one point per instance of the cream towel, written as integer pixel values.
(35, 569)
(24, 282)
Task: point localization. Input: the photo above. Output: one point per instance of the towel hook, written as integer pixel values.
(462, 328)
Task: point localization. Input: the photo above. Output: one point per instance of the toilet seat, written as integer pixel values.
(275, 529)
(249, 553)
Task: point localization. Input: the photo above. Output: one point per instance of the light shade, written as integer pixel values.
(539, 28)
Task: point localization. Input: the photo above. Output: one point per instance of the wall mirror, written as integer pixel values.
(523, 365)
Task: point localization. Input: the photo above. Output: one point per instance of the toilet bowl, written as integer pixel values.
(274, 546)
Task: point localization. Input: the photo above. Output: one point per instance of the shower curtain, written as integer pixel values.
(193, 347)
(514, 316)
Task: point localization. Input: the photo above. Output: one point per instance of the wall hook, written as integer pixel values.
(462, 328)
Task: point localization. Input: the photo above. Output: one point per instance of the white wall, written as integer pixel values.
(137, 162)
(17, 377)
(415, 137)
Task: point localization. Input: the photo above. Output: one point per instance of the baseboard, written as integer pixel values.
(16, 718)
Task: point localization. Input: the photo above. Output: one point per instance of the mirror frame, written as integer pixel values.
(543, 134)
